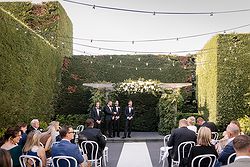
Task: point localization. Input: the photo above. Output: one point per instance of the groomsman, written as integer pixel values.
(129, 114)
(116, 119)
(108, 118)
(96, 115)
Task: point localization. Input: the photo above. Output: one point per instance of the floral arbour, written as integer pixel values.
(156, 106)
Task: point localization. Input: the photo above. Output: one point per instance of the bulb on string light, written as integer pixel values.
(62, 43)
(111, 57)
(91, 40)
(146, 64)
(235, 58)
(211, 14)
(153, 13)
(224, 32)
(25, 32)
(133, 42)
(52, 37)
(94, 56)
(94, 7)
(160, 69)
(113, 66)
(139, 59)
(225, 59)
(170, 53)
(17, 28)
(177, 39)
(120, 61)
(91, 62)
(99, 48)
(136, 68)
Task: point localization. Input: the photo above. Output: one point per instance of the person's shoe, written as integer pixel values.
(118, 135)
(110, 137)
(129, 136)
(124, 137)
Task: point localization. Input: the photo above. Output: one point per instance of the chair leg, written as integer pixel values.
(160, 157)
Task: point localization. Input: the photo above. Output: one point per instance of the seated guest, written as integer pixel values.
(48, 137)
(92, 134)
(232, 131)
(191, 124)
(34, 125)
(241, 146)
(179, 135)
(203, 146)
(33, 147)
(5, 158)
(23, 128)
(66, 148)
(9, 142)
(201, 122)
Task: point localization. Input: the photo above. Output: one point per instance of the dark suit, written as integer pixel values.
(65, 148)
(96, 116)
(94, 134)
(227, 151)
(108, 119)
(128, 124)
(243, 162)
(211, 126)
(30, 129)
(116, 122)
(178, 136)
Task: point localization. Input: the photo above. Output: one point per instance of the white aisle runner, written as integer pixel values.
(135, 155)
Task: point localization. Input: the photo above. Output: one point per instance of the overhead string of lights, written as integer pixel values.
(160, 39)
(211, 13)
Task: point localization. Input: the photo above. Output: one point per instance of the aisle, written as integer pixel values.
(135, 155)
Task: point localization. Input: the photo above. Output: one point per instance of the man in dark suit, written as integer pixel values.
(241, 145)
(92, 134)
(129, 114)
(116, 119)
(34, 125)
(210, 125)
(96, 115)
(66, 148)
(179, 135)
(232, 131)
(108, 118)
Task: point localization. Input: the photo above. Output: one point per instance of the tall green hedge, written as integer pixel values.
(30, 73)
(74, 98)
(223, 77)
(48, 19)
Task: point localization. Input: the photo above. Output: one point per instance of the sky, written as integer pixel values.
(89, 23)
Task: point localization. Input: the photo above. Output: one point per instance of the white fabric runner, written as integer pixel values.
(135, 155)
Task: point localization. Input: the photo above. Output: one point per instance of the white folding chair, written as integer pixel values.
(90, 148)
(31, 160)
(198, 159)
(66, 159)
(183, 148)
(80, 128)
(105, 153)
(163, 149)
(215, 135)
(231, 158)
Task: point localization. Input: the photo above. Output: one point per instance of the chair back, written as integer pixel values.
(184, 149)
(215, 135)
(31, 160)
(90, 148)
(231, 158)
(80, 128)
(65, 161)
(209, 159)
(165, 140)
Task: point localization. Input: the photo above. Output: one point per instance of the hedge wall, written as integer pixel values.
(74, 98)
(30, 73)
(223, 78)
(48, 19)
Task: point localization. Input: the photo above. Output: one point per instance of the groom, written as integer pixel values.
(129, 114)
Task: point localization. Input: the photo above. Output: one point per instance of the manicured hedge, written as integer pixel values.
(30, 73)
(74, 98)
(48, 19)
(223, 77)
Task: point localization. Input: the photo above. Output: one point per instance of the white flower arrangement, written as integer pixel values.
(139, 86)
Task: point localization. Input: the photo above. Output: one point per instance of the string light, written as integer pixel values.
(120, 61)
(161, 39)
(156, 12)
(146, 64)
(139, 59)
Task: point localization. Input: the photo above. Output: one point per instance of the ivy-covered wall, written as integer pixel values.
(223, 76)
(74, 98)
(30, 65)
(48, 19)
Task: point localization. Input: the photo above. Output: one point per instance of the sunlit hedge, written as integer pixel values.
(223, 77)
